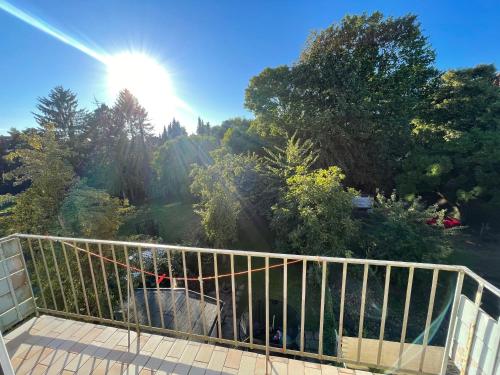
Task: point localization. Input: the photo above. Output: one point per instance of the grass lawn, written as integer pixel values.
(481, 255)
(177, 223)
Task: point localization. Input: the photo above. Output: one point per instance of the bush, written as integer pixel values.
(314, 214)
(398, 230)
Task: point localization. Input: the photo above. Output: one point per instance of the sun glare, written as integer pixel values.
(145, 78)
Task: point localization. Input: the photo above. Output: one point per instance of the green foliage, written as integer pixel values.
(92, 213)
(230, 187)
(314, 216)
(457, 141)
(353, 93)
(42, 164)
(60, 110)
(173, 130)
(398, 230)
(173, 161)
(241, 138)
(296, 155)
(122, 160)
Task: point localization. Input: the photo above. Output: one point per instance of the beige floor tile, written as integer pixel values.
(233, 359)
(247, 364)
(204, 353)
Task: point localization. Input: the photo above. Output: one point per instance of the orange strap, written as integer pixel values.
(160, 278)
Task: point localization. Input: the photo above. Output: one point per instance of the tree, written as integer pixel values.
(173, 161)
(60, 110)
(42, 164)
(353, 92)
(203, 128)
(456, 154)
(130, 162)
(91, 213)
(174, 130)
(230, 191)
(314, 215)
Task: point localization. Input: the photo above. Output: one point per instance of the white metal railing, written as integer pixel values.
(94, 280)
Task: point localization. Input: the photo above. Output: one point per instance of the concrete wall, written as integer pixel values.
(16, 300)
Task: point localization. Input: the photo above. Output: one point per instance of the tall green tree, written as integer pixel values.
(43, 164)
(174, 130)
(353, 92)
(456, 154)
(60, 109)
(173, 161)
(129, 163)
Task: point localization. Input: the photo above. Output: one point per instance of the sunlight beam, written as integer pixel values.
(50, 30)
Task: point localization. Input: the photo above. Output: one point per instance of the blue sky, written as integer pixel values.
(210, 48)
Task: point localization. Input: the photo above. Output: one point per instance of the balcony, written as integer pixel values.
(88, 306)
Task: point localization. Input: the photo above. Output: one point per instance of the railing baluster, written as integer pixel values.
(158, 299)
(267, 310)
(250, 301)
(130, 286)
(233, 294)
(172, 294)
(186, 288)
(202, 296)
(48, 274)
(451, 325)
(428, 320)
(105, 278)
(303, 305)
(384, 312)
(72, 283)
(81, 278)
(362, 311)
(322, 309)
(405, 315)
(144, 289)
(216, 272)
(91, 266)
(285, 300)
(58, 274)
(341, 313)
(117, 275)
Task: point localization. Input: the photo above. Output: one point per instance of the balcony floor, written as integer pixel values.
(50, 345)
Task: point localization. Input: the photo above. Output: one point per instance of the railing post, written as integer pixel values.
(267, 312)
(5, 364)
(451, 326)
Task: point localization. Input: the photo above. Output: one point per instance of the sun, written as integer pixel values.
(147, 80)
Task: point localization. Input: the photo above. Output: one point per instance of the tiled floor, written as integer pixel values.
(50, 345)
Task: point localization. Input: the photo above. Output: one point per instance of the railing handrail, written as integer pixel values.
(373, 262)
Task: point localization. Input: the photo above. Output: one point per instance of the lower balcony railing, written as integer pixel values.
(394, 316)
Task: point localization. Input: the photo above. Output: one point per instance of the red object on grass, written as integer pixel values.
(448, 222)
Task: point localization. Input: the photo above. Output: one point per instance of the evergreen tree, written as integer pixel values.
(42, 163)
(60, 110)
(174, 130)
